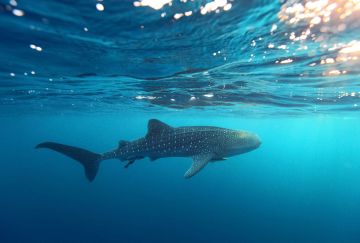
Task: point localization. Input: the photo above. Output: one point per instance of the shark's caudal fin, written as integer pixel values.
(89, 160)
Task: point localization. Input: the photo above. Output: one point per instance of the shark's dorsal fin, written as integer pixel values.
(122, 143)
(199, 162)
(157, 127)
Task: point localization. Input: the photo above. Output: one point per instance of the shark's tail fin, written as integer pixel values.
(89, 160)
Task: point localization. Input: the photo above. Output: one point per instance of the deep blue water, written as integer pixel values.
(91, 73)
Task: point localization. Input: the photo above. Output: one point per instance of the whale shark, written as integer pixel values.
(204, 144)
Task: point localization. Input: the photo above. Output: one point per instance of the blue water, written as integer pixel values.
(91, 73)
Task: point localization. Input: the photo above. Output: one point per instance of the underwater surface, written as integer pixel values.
(92, 73)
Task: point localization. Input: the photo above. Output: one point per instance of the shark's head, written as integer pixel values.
(242, 142)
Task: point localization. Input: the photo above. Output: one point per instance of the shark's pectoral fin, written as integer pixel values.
(199, 162)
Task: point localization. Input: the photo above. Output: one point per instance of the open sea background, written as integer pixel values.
(91, 73)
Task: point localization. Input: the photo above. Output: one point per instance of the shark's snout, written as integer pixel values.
(257, 141)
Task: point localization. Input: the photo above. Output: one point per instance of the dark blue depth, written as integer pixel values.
(73, 74)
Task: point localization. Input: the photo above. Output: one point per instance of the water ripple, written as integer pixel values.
(249, 57)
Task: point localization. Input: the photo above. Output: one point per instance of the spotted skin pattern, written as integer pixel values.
(203, 144)
(212, 143)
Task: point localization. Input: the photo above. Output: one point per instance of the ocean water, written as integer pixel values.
(91, 73)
